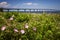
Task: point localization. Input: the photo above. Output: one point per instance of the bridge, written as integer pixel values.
(25, 10)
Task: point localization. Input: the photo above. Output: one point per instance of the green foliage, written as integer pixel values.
(40, 26)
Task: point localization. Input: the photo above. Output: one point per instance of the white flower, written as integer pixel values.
(15, 30)
(26, 26)
(3, 28)
(22, 31)
(11, 18)
(34, 28)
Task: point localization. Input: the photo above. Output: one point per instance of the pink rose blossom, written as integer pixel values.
(26, 26)
(15, 30)
(34, 28)
(3, 28)
(22, 31)
(11, 18)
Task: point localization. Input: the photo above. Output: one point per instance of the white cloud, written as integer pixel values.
(3, 4)
(30, 3)
(27, 3)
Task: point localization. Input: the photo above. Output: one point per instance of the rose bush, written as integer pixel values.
(26, 26)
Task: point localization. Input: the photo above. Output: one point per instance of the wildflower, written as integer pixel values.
(11, 18)
(3, 28)
(34, 28)
(26, 26)
(22, 31)
(15, 30)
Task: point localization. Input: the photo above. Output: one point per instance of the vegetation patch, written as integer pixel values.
(29, 26)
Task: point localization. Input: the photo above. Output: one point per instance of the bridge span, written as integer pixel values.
(25, 10)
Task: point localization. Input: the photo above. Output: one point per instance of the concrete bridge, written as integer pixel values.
(25, 10)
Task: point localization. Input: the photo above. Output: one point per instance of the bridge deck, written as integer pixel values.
(25, 9)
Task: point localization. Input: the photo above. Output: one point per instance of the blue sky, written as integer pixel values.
(41, 4)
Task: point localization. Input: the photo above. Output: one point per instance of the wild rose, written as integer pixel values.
(15, 30)
(3, 28)
(22, 31)
(26, 26)
(34, 28)
(11, 18)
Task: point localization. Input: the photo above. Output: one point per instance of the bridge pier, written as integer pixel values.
(30, 10)
(8, 10)
(18, 10)
(1, 9)
(34, 10)
(24, 10)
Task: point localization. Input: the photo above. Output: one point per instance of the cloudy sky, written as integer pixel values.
(41, 4)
